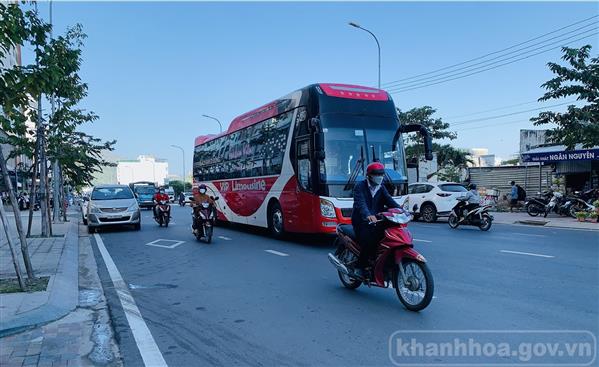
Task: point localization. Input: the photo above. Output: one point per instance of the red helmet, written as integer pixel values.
(375, 168)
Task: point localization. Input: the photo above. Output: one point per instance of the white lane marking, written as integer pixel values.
(173, 243)
(525, 253)
(417, 240)
(276, 253)
(531, 235)
(224, 238)
(143, 337)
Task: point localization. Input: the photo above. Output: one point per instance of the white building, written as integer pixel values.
(481, 158)
(145, 168)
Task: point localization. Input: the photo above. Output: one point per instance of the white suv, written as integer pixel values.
(429, 200)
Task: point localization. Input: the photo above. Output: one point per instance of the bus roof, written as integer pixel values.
(292, 100)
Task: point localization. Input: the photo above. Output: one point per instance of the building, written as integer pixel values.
(481, 158)
(144, 168)
(19, 164)
(530, 139)
(579, 167)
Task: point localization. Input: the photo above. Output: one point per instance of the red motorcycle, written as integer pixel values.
(396, 262)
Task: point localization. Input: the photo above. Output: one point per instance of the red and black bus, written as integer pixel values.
(290, 164)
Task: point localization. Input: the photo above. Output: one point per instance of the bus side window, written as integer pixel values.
(304, 173)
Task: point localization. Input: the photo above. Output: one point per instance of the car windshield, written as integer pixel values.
(112, 193)
(452, 188)
(145, 190)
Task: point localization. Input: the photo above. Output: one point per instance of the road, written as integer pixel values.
(247, 299)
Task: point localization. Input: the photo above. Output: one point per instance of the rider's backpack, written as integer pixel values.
(521, 193)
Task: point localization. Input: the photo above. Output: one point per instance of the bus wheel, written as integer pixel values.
(275, 221)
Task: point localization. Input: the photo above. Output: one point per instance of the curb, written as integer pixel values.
(63, 289)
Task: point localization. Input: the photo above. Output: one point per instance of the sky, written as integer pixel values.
(153, 68)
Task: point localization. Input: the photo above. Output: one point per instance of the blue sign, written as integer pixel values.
(568, 155)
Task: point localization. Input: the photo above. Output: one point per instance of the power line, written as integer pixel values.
(439, 77)
(492, 53)
(464, 122)
(487, 126)
(502, 57)
(491, 110)
(400, 90)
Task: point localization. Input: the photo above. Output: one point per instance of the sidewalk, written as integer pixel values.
(552, 220)
(84, 337)
(56, 257)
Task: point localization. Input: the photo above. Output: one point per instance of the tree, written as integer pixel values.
(423, 116)
(179, 186)
(581, 79)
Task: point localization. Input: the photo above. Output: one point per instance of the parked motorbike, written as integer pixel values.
(23, 202)
(397, 264)
(579, 205)
(478, 217)
(536, 205)
(558, 204)
(203, 219)
(163, 213)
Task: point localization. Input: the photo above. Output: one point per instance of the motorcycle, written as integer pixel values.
(203, 219)
(163, 213)
(579, 205)
(478, 217)
(397, 264)
(536, 205)
(181, 201)
(23, 202)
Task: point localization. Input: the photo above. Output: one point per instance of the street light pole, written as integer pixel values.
(215, 119)
(183, 153)
(378, 45)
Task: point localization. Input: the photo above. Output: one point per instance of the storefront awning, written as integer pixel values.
(558, 153)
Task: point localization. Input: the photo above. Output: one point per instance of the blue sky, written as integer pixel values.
(154, 68)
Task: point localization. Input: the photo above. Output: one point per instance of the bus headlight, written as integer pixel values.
(327, 209)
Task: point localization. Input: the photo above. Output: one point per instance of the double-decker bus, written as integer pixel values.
(290, 165)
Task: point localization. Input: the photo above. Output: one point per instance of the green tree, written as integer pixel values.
(423, 116)
(581, 79)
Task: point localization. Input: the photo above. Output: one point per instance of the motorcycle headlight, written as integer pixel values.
(327, 209)
(205, 205)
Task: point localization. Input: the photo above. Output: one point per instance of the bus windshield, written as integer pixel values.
(346, 137)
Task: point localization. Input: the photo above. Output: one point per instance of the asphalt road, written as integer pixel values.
(234, 303)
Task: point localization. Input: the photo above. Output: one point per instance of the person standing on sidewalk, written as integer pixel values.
(513, 196)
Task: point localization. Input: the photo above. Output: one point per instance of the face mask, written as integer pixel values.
(202, 191)
(377, 180)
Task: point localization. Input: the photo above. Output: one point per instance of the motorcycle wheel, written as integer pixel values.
(573, 209)
(166, 220)
(453, 221)
(416, 293)
(208, 231)
(485, 223)
(534, 210)
(347, 281)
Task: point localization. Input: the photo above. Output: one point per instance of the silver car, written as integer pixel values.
(111, 205)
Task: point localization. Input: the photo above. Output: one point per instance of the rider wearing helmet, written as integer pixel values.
(158, 197)
(370, 198)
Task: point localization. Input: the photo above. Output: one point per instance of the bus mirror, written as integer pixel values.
(319, 142)
(315, 123)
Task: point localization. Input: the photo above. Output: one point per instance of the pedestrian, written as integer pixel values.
(513, 196)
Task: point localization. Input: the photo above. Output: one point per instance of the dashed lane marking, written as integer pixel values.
(530, 235)
(526, 253)
(224, 238)
(276, 253)
(141, 333)
(418, 240)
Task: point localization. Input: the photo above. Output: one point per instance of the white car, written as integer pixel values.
(84, 202)
(430, 200)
